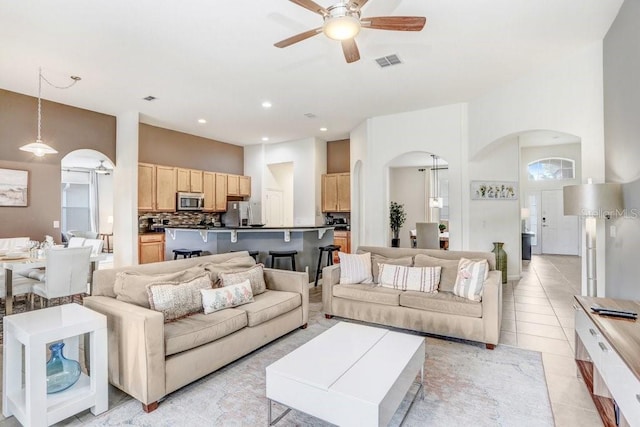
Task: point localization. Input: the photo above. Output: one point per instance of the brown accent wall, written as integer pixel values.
(338, 156)
(63, 127)
(167, 147)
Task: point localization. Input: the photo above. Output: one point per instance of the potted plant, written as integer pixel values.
(397, 217)
(442, 227)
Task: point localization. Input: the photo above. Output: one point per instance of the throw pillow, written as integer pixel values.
(254, 275)
(226, 297)
(376, 260)
(355, 268)
(471, 277)
(130, 286)
(448, 273)
(176, 300)
(232, 265)
(423, 279)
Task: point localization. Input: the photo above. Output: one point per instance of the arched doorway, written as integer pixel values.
(419, 181)
(87, 195)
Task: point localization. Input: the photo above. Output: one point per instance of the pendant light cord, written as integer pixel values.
(75, 79)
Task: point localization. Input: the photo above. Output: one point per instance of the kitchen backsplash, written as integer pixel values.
(180, 218)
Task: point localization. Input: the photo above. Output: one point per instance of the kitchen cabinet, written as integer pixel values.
(245, 186)
(166, 187)
(146, 187)
(220, 204)
(336, 192)
(233, 185)
(342, 238)
(150, 248)
(189, 180)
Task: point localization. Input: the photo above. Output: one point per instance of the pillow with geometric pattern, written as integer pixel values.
(226, 297)
(471, 277)
(177, 300)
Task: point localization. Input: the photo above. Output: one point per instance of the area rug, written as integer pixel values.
(465, 385)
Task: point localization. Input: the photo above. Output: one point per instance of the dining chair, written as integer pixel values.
(76, 242)
(96, 245)
(87, 234)
(21, 286)
(66, 273)
(427, 235)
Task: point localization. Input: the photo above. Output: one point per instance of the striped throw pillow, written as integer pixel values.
(355, 268)
(471, 277)
(423, 279)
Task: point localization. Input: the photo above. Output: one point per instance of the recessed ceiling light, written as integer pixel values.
(323, 129)
(266, 104)
(265, 138)
(203, 121)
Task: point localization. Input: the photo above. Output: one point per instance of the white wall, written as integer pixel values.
(279, 177)
(105, 202)
(437, 130)
(358, 158)
(497, 220)
(254, 167)
(309, 163)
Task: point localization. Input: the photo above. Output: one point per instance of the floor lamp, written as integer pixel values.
(592, 201)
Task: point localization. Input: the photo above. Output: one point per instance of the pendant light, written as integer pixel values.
(39, 148)
(101, 169)
(434, 200)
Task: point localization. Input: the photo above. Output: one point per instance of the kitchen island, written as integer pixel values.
(215, 240)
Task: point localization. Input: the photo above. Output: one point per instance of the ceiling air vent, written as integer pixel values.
(149, 98)
(310, 115)
(387, 61)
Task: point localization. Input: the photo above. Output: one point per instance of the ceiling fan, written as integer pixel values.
(342, 22)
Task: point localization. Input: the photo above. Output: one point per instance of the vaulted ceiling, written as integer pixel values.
(215, 60)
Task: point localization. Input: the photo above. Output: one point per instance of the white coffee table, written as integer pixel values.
(349, 375)
(34, 330)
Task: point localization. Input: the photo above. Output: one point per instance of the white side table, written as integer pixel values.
(35, 330)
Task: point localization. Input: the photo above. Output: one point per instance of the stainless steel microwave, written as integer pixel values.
(189, 201)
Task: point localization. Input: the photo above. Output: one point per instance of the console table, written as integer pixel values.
(607, 353)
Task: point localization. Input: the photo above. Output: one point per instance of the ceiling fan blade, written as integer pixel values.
(359, 3)
(350, 49)
(298, 37)
(312, 6)
(395, 23)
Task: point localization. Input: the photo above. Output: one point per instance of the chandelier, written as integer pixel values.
(39, 148)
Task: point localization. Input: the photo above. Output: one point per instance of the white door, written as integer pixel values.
(274, 208)
(560, 233)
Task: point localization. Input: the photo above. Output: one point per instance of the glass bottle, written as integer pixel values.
(62, 373)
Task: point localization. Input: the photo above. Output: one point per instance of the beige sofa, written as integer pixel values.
(442, 314)
(149, 358)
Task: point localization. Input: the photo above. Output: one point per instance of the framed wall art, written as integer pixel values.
(14, 187)
(494, 190)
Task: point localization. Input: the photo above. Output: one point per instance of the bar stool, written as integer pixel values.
(284, 254)
(329, 249)
(254, 254)
(186, 253)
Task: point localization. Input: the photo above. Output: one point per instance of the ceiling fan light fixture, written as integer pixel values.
(101, 169)
(341, 23)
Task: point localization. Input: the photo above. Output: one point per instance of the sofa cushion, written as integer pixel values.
(131, 286)
(269, 305)
(442, 302)
(255, 276)
(368, 293)
(178, 299)
(232, 265)
(471, 277)
(226, 297)
(376, 260)
(448, 273)
(198, 329)
(423, 279)
(355, 268)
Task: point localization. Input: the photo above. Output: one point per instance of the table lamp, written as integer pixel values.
(592, 201)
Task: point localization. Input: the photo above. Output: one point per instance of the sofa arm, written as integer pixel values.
(330, 277)
(290, 281)
(492, 307)
(136, 347)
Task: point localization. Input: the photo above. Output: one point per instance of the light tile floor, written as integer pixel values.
(538, 315)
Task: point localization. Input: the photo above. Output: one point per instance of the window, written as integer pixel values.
(550, 169)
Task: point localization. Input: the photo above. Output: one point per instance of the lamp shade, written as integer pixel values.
(592, 199)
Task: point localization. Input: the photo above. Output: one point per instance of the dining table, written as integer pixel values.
(15, 265)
